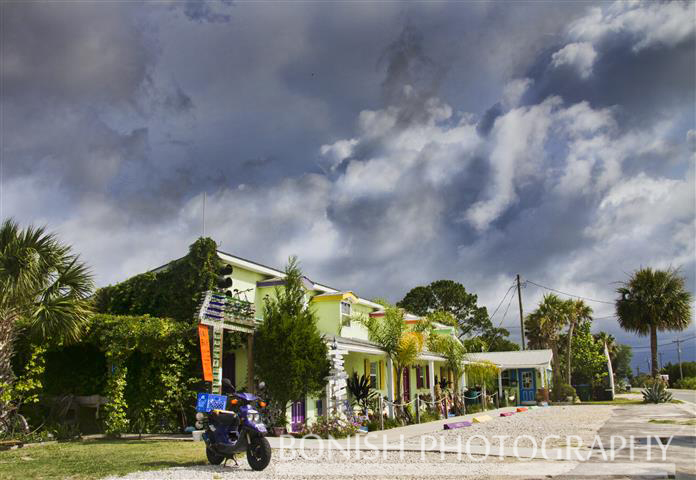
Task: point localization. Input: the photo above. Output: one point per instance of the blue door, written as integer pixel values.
(527, 385)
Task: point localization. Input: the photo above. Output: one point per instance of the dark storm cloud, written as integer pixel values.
(385, 144)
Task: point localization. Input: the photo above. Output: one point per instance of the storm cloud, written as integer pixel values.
(387, 145)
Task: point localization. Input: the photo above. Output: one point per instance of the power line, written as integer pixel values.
(569, 294)
(502, 300)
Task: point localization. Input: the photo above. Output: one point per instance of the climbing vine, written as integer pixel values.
(173, 292)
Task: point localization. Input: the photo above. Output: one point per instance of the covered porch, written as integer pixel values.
(524, 372)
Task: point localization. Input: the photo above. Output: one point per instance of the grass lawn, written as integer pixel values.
(622, 401)
(691, 421)
(98, 458)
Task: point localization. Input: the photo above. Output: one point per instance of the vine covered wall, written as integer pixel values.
(173, 292)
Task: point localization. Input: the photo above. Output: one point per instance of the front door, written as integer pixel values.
(407, 386)
(298, 415)
(527, 385)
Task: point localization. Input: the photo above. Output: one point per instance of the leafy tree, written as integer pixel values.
(454, 353)
(578, 312)
(44, 289)
(621, 361)
(652, 301)
(290, 354)
(401, 343)
(672, 369)
(451, 297)
(588, 359)
(543, 328)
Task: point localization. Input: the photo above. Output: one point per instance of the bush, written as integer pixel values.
(656, 392)
(336, 426)
(373, 425)
(688, 383)
(563, 391)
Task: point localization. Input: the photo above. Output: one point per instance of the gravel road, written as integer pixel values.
(562, 421)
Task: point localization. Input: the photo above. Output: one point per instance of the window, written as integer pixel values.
(345, 308)
(527, 381)
(374, 368)
(505, 377)
(420, 377)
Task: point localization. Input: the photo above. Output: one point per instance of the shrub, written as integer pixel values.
(564, 391)
(688, 383)
(336, 426)
(656, 392)
(373, 425)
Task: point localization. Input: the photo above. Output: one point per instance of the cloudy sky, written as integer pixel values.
(385, 144)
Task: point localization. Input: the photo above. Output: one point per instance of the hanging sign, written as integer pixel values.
(205, 352)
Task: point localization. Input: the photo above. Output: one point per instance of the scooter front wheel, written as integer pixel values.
(213, 458)
(259, 453)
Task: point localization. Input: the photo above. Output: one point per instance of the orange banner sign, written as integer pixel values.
(205, 353)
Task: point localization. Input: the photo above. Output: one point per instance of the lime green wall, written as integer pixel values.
(328, 316)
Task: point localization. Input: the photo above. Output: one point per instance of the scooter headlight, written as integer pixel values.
(254, 417)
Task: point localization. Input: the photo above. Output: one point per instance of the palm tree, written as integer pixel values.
(578, 312)
(652, 301)
(543, 327)
(401, 343)
(44, 290)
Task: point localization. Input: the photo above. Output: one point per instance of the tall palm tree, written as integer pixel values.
(44, 290)
(401, 343)
(578, 311)
(544, 326)
(652, 301)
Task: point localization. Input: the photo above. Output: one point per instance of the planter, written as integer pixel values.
(278, 431)
(569, 399)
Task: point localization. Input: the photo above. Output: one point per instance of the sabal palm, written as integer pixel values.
(578, 311)
(652, 301)
(43, 290)
(544, 326)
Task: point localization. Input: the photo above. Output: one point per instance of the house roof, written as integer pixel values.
(515, 359)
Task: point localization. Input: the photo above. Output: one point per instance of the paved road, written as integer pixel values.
(684, 395)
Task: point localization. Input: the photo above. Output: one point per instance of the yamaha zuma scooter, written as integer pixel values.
(231, 432)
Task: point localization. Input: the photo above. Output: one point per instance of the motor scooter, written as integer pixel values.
(237, 430)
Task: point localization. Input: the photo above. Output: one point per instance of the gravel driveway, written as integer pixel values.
(571, 420)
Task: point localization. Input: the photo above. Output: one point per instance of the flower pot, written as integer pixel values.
(278, 431)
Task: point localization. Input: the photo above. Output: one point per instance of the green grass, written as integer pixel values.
(623, 401)
(98, 458)
(691, 421)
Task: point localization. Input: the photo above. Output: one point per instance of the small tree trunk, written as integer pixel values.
(7, 337)
(653, 350)
(568, 353)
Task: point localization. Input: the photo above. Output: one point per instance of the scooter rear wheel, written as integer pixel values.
(259, 453)
(213, 458)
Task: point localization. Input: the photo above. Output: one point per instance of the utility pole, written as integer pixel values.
(519, 299)
(647, 361)
(662, 364)
(681, 373)
(637, 370)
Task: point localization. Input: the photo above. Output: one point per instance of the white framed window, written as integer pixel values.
(346, 309)
(374, 368)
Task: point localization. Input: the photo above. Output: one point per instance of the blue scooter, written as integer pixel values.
(231, 432)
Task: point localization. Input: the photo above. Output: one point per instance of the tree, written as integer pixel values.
(44, 290)
(290, 355)
(543, 327)
(578, 312)
(588, 359)
(652, 301)
(451, 297)
(621, 361)
(401, 343)
(454, 353)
